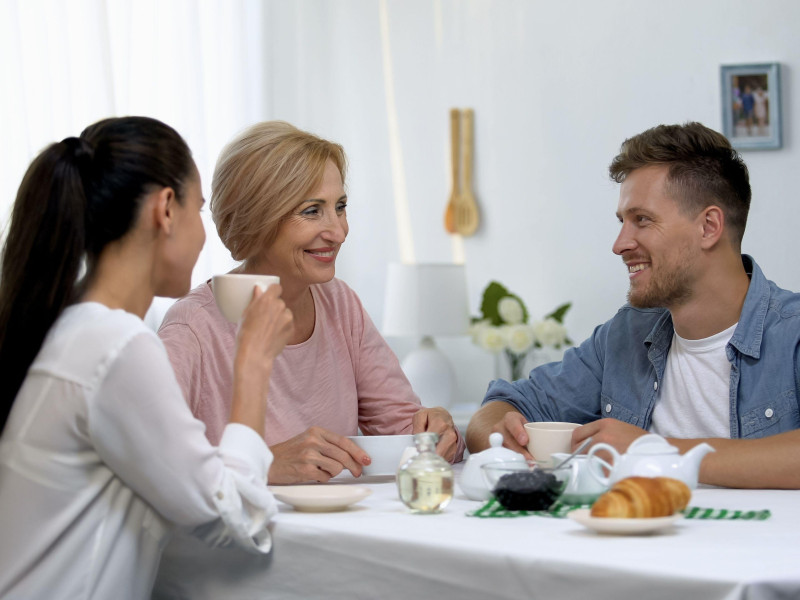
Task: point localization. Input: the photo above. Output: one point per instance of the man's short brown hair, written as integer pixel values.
(703, 170)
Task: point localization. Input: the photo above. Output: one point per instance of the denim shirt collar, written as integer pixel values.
(747, 336)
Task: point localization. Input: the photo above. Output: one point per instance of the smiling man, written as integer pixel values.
(706, 348)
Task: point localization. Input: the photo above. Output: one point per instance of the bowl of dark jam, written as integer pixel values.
(524, 485)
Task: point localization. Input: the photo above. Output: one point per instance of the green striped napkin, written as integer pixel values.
(493, 508)
(695, 512)
(559, 510)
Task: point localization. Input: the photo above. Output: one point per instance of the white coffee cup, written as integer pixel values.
(234, 291)
(546, 438)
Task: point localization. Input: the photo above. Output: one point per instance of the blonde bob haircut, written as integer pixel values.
(261, 176)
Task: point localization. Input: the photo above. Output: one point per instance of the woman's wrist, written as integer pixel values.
(250, 388)
(252, 372)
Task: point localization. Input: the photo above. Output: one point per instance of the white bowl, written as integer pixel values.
(384, 450)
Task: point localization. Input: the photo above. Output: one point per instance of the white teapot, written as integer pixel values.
(651, 456)
(472, 481)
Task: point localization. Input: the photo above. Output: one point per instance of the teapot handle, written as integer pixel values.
(591, 457)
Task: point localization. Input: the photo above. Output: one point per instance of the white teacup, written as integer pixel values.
(547, 438)
(234, 291)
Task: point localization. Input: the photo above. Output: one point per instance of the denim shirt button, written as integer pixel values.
(608, 407)
(655, 385)
(768, 413)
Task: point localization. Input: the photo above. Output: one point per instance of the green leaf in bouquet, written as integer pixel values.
(558, 314)
(491, 296)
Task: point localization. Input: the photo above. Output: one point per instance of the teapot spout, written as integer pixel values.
(698, 452)
(691, 462)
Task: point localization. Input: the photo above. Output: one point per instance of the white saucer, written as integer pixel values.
(320, 498)
(621, 526)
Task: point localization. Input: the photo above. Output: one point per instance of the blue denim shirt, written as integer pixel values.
(618, 371)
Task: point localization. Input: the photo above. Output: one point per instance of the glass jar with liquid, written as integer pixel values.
(425, 482)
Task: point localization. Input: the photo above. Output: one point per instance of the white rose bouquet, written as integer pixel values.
(503, 327)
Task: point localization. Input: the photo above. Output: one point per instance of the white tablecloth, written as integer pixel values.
(377, 549)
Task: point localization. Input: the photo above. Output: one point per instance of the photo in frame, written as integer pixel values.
(751, 105)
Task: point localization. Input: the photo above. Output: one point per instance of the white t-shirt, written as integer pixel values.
(694, 400)
(101, 457)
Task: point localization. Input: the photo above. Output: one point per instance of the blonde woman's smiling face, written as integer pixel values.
(308, 240)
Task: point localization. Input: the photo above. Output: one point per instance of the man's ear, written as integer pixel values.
(163, 203)
(713, 224)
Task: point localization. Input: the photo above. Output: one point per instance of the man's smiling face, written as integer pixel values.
(657, 241)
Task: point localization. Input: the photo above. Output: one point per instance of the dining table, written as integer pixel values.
(377, 548)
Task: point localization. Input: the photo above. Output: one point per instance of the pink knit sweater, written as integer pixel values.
(344, 377)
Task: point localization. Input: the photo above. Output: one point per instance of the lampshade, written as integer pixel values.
(426, 299)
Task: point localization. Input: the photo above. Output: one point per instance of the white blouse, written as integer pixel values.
(100, 459)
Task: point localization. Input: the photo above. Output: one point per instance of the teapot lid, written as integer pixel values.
(651, 444)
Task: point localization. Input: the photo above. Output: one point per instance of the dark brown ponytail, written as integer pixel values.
(77, 196)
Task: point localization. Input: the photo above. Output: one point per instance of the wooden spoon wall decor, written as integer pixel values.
(466, 209)
(449, 213)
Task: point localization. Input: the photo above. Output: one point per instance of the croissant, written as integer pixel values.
(642, 497)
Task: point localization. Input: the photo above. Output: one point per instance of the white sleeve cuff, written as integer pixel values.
(245, 450)
(242, 499)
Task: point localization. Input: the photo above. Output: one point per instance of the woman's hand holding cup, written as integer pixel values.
(266, 325)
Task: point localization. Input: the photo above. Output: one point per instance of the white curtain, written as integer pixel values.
(198, 65)
(344, 69)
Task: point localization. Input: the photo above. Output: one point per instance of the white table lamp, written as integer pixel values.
(427, 300)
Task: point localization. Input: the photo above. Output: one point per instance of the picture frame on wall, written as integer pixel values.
(751, 105)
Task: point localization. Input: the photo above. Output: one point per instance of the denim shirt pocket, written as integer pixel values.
(772, 416)
(609, 409)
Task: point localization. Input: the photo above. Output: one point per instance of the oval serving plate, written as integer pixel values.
(621, 526)
(320, 498)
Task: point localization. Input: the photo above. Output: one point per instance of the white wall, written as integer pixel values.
(556, 87)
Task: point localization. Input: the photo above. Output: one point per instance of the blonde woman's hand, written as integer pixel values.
(315, 455)
(440, 421)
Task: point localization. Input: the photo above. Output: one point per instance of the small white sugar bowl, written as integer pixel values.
(472, 482)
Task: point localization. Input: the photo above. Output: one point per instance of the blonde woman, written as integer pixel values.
(280, 207)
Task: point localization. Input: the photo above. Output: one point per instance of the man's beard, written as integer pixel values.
(668, 286)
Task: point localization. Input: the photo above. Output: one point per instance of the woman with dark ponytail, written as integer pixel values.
(39, 274)
(99, 454)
